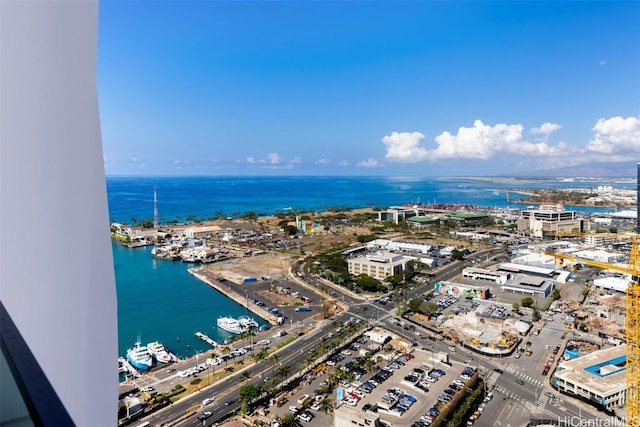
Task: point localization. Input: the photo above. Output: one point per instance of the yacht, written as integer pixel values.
(230, 324)
(139, 357)
(158, 351)
(248, 323)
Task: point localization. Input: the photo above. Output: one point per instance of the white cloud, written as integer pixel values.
(405, 147)
(616, 135)
(603, 62)
(343, 163)
(296, 160)
(273, 158)
(250, 159)
(478, 142)
(369, 163)
(546, 129)
(322, 161)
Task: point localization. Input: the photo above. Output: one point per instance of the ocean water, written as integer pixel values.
(204, 197)
(159, 300)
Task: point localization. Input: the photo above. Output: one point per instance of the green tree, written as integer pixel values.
(415, 304)
(284, 371)
(290, 230)
(457, 255)
(536, 314)
(249, 216)
(515, 306)
(326, 405)
(429, 307)
(261, 355)
(527, 302)
(368, 283)
(248, 393)
(555, 294)
(288, 419)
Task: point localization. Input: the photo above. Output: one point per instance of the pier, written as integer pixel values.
(230, 292)
(207, 339)
(126, 368)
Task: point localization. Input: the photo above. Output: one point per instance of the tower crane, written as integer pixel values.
(632, 323)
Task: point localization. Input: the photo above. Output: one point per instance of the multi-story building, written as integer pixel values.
(548, 220)
(379, 265)
(598, 377)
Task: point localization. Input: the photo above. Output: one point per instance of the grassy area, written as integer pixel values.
(285, 342)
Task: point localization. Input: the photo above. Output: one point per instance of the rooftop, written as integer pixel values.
(601, 371)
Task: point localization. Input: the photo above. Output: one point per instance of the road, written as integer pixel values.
(512, 402)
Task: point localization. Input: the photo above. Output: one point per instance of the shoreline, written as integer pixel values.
(229, 292)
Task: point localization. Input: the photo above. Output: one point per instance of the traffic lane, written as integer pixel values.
(492, 411)
(288, 356)
(530, 394)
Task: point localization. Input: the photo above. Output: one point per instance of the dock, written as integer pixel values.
(124, 367)
(235, 296)
(207, 339)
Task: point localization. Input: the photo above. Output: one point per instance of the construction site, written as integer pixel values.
(486, 335)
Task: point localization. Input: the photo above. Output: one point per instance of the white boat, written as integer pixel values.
(248, 323)
(230, 324)
(139, 357)
(158, 351)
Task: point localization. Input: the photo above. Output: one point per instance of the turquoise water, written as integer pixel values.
(160, 300)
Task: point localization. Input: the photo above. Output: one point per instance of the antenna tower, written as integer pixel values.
(155, 208)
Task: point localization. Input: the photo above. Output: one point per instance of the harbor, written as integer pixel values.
(228, 289)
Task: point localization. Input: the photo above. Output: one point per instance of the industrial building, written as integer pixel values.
(462, 290)
(398, 246)
(548, 220)
(618, 284)
(529, 285)
(598, 377)
(202, 231)
(379, 265)
(396, 214)
(484, 274)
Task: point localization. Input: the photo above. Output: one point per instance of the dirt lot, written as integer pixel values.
(273, 264)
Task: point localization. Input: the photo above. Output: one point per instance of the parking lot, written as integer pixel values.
(410, 389)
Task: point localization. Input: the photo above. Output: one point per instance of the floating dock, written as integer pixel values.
(207, 339)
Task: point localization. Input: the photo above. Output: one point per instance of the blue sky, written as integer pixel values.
(370, 88)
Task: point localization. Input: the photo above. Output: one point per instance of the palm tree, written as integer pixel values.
(275, 358)
(226, 351)
(284, 371)
(326, 405)
(261, 355)
(246, 375)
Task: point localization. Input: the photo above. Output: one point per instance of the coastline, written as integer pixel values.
(229, 292)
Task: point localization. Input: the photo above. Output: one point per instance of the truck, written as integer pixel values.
(303, 308)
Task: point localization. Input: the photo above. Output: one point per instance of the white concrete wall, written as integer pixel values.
(52, 183)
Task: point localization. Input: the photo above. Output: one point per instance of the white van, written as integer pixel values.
(207, 401)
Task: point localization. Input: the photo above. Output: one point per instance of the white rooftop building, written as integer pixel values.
(379, 265)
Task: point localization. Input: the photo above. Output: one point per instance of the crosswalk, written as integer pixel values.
(542, 399)
(523, 376)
